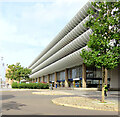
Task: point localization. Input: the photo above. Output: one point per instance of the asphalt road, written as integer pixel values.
(25, 103)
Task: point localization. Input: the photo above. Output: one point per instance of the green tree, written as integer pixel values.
(104, 42)
(17, 72)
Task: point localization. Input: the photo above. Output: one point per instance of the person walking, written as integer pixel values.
(56, 85)
(7, 85)
(51, 87)
(105, 89)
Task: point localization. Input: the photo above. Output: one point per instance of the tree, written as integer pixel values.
(17, 72)
(104, 42)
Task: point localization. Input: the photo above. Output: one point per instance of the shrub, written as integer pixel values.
(30, 85)
(14, 85)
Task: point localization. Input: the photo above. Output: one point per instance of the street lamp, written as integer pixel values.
(2, 60)
(2, 68)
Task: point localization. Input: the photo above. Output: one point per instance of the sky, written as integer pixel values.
(28, 26)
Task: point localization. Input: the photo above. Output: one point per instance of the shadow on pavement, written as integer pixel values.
(12, 105)
(5, 97)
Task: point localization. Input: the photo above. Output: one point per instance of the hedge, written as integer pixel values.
(30, 85)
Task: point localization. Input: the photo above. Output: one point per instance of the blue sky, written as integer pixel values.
(27, 27)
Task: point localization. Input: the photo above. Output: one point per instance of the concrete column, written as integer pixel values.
(42, 78)
(55, 78)
(39, 79)
(48, 78)
(66, 78)
(106, 76)
(83, 75)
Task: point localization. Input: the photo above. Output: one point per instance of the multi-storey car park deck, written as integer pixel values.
(60, 62)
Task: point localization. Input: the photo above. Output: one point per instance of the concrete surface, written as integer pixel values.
(25, 103)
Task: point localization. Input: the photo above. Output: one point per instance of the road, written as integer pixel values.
(25, 103)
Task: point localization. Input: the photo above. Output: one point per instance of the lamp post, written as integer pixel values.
(2, 70)
(2, 62)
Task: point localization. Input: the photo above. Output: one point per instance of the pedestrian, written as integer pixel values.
(7, 85)
(56, 85)
(105, 89)
(52, 86)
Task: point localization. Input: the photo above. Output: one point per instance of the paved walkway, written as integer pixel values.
(24, 102)
(84, 99)
(74, 98)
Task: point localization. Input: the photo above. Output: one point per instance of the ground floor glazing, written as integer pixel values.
(79, 76)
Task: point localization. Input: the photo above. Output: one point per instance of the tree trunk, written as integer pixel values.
(106, 76)
(103, 83)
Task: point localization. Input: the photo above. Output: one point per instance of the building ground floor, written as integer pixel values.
(82, 77)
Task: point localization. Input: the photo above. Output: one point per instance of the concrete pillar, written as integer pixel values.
(42, 78)
(55, 78)
(39, 79)
(66, 78)
(106, 76)
(83, 75)
(48, 78)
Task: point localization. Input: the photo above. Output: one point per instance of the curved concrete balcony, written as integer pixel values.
(76, 44)
(78, 30)
(66, 62)
(73, 23)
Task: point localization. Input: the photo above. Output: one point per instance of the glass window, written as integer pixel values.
(74, 73)
(45, 78)
(98, 73)
(50, 77)
(79, 72)
(93, 72)
(58, 76)
(62, 75)
(40, 79)
(69, 74)
(95, 81)
(53, 77)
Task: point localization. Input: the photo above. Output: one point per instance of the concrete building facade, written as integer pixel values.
(60, 62)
